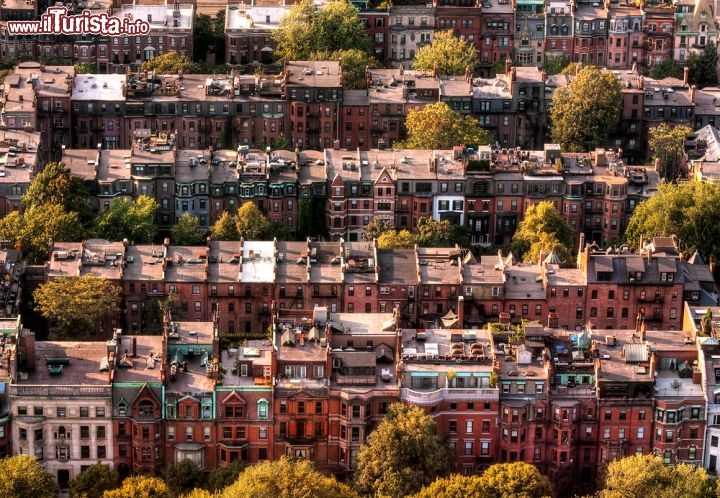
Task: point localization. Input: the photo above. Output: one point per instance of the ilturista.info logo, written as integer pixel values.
(56, 21)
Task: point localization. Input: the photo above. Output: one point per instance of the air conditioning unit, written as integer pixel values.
(565, 420)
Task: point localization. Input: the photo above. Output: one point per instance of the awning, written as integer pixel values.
(423, 374)
(449, 319)
(189, 446)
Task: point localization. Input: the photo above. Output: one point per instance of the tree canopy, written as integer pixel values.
(667, 145)
(436, 126)
(77, 303)
(140, 487)
(376, 228)
(250, 223)
(171, 63)
(554, 64)
(689, 210)
(542, 229)
(668, 68)
(187, 232)
(94, 481)
(586, 113)
(307, 29)
(225, 228)
(393, 239)
(452, 55)
(22, 476)
(184, 477)
(648, 475)
(703, 66)
(286, 478)
(403, 454)
(37, 226)
(55, 185)
(132, 220)
(517, 479)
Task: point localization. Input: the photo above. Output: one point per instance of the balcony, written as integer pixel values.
(428, 398)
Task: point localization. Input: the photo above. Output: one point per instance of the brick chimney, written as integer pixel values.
(686, 75)
(461, 312)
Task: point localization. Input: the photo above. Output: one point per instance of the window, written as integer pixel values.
(262, 408)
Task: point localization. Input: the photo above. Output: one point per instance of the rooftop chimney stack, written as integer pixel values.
(686, 75)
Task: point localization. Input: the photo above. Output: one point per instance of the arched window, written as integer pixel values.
(262, 408)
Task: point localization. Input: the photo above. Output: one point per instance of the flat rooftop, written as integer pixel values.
(83, 364)
(144, 262)
(98, 87)
(95, 256)
(185, 264)
(143, 361)
(258, 262)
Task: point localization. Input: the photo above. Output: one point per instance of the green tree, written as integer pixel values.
(200, 493)
(286, 478)
(306, 30)
(187, 232)
(55, 185)
(515, 479)
(134, 220)
(452, 55)
(77, 303)
(183, 477)
(376, 228)
(586, 113)
(140, 487)
(554, 64)
(647, 475)
(250, 223)
(454, 486)
(222, 477)
(225, 228)
(393, 239)
(433, 233)
(667, 144)
(171, 63)
(282, 143)
(93, 481)
(703, 66)
(706, 323)
(541, 229)
(499, 66)
(22, 476)
(403, 454)
(666, 69)
(689, 210)
(85, 68)
(436, 126)
(37, 226)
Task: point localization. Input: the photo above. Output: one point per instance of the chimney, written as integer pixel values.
(508, 66)
(436, 67)
(642, 331)
(134, 350)
(686, 75)
(581, 243)
(692, 94)
(461, 312)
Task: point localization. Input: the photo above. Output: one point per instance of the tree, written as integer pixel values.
(689, 210)
(703, 67)
(307, 30)
(222, 477)
(452, 55)
(183, 477)
(647, 475)
(706, 323)
(186, 232)
(77, 303)
(393, 239)
(499, 67)
(282, 143)
(541, 229)
(436, 126)
(554, 64)
(250, 223)
(666, 69)
(134, 220)
(402, 454)
(199, 493)
(140, 487)
(171, 63)
(85, 68)
(667, 145)
(286, 478)
(93, 482)
(586, 113)
(515, 479)
(37, 226)
(376, 228)
(22, 476)
(225, 228)
(55, 185)
(454, 486)
(433, 233)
